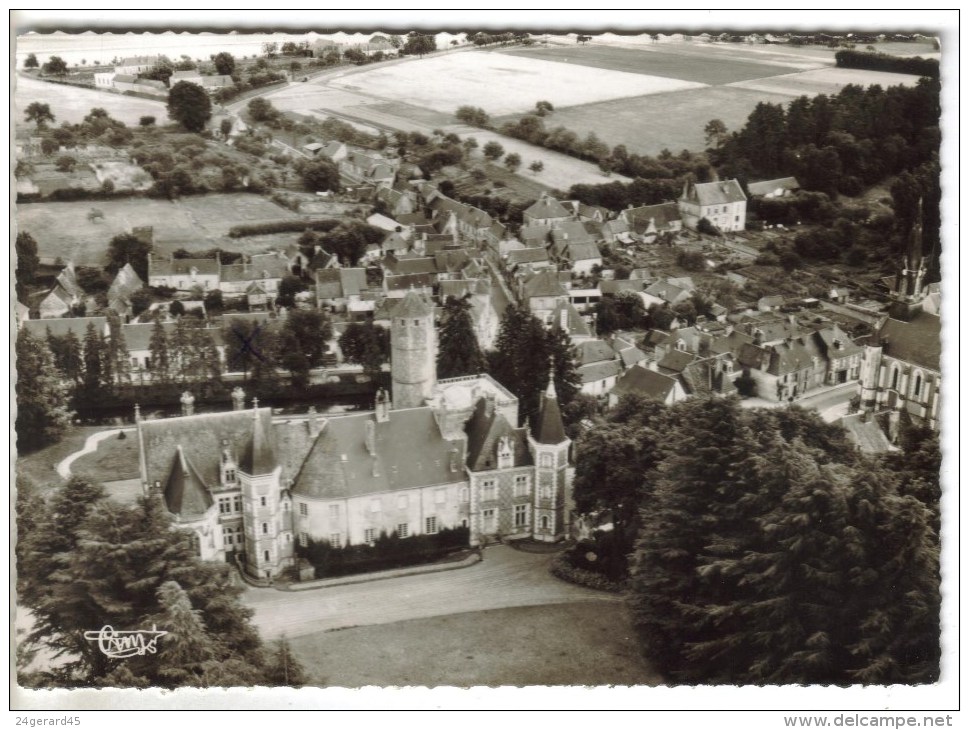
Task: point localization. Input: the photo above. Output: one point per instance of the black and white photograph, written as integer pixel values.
(359, 352)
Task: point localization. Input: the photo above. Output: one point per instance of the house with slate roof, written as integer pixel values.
(723, 203)
(184, 274)
(649, 220)
(547, 212)
(446, 454)
(65, 295)
(782, 187)
(126, 283)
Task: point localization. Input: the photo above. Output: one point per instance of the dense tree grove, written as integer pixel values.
(366, 344)
(27, 263)
(524, 356)
(769, 550)
(42, 398)
(458, 350)
(85, 561)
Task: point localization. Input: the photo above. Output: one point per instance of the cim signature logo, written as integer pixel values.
(124, 644)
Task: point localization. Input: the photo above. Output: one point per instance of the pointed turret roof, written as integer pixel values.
(258, 456)
(412, 305)
(550, 428)
(185, 493)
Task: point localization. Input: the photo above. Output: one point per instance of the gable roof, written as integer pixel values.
(126, 282)
(592, 351)
(665, 291)
(527, 256)
(60, 326)
(769, 187)
(485, 430)
(594, 372)
(662, 216)
(328, 284)
(571, 232)
(412, 306)
(546, 207)
(644, 381)
(544, 284)
(174, 267)
(675, 361)
(716, 193)
(566, 313)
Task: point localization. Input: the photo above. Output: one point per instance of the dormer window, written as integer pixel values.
(506, 454)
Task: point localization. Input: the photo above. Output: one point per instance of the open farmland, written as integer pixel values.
(72, 104)
(196, 223)
(825, 81)
(500, 83)
(705, 65)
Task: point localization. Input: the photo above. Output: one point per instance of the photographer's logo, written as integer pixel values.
(124, 644)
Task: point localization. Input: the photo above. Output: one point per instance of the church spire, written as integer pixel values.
(909, 281)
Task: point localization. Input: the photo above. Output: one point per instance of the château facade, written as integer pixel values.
(432, 454)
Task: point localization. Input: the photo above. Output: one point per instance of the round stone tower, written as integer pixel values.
(413, 351)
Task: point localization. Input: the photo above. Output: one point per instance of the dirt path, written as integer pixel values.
(506, 578)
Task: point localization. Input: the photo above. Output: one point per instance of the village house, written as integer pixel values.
(574, 245)
(546, 212)
(648, 221)
(432, 455)
(598, 366)
(65, 295)
(126, 283)
(267, 270)
(642, 381)
(541, 293)
(184, 274)
(722, 203)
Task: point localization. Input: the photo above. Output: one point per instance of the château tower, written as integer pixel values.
(413, 344)
(909, 288)
(550, 450)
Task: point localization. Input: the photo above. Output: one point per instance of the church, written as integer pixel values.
(432, 454)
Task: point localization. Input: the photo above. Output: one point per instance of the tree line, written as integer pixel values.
(764, 548)
(886, 62)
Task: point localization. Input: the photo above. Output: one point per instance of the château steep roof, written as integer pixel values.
(185, 492)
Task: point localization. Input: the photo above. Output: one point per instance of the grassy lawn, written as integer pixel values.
(563, 644)
(72, 104)
(199, 222)
(114, 459)
(38, 468)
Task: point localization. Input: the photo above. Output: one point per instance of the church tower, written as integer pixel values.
(550, 450)
(909, 288)
(413, 347)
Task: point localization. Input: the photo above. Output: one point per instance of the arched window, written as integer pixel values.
(544, 522)
(196, 543)
(894, 378)
(917, 390)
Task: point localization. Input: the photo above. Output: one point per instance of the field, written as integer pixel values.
(72, 104)
(566, 644)
(195, 223)
(113, 460)
(501, 83)
(705, 65)
(675, 121)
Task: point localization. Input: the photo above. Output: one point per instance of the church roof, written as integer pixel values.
(917, 341)
(485, 430)
(185, 492)
(550, 428)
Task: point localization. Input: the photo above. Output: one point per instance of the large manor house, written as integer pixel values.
(433, 454)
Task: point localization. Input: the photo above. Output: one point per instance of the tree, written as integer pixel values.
(521, 359)
(39, 113)
(66, 163)
(55, 66)
(492, 150)
(214, 301)
(66, 351)
(320, 175)
(418, 44)
(543, 108)
(513, 161)
(225, 64)
(160, 356)
(27, 263)
(189, 105)
(262, 110)
(225, 128)
(715, 133)
(31, 61)
(125, 566)
(366, 344)
(289, 287)
(537, 166)
(309, 330)
(42, 413)
(458, 350)
(126, 248)
(473, 115)
(283, 668)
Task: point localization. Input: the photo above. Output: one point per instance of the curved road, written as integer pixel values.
(505, 579)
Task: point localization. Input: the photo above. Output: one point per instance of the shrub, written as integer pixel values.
(287, 226)
(561, 569)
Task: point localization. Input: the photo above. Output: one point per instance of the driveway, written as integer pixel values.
(506, 578)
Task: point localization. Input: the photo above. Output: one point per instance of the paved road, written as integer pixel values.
(505, 579)
(830, 403)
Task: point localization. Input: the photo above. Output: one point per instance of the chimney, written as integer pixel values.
(188, 403)
(238, 399)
